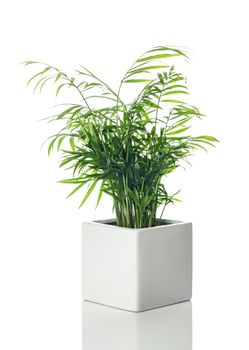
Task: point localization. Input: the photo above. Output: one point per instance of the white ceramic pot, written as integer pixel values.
(136, 269)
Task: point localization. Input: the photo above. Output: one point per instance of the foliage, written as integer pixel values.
(125, 147)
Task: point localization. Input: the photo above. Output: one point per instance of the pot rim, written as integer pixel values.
(106, 222)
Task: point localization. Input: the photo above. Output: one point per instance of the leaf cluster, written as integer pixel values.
(126, 148)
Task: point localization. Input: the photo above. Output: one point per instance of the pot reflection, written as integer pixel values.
(106, 328)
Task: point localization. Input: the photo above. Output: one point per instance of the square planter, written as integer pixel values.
(136, 269)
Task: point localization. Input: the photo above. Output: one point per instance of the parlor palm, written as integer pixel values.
(125, 148)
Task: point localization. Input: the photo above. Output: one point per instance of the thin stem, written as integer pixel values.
(102, 82)
(158, 104)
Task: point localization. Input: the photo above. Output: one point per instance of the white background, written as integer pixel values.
(40, 305)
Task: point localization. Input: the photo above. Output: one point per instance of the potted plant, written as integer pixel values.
(137, 261)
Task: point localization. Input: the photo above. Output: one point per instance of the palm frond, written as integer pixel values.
(128, 148)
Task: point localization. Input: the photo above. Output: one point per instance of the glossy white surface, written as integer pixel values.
(137, 269)
(106, 328)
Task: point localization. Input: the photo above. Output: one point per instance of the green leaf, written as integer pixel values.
(58, 76)
(173, 80)
(179, 123)
(60, 142)
(59, 88)
(44, 82)
(174, 101)
(100, 194)
(208, 138)
(72, 144)
(164, 48)
(73, 181)
(36, 75)
(200, 146)
(88, 193)
(176, 199)
(145, 69)
(203, 141)
(155, 57)
(26, 63)
(176, 86)
(148, 68)
(51, 145)
(175, 92)
(76, 189)
(179, 131)
(137, 80)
